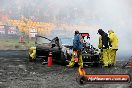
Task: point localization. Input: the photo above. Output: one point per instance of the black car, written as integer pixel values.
(61, 49)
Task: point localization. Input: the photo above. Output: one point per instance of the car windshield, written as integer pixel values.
(67, 41)
(42, 40)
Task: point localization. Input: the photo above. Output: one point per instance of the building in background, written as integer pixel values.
(33, 32)
(8, 30)
(2, 30)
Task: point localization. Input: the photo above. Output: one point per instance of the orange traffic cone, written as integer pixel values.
(131, 64)
(50, 59)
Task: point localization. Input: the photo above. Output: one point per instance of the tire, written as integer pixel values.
(63, 59)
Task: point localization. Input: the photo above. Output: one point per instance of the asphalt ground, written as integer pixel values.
(17, 72)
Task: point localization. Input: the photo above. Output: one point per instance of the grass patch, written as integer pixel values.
(13, 44)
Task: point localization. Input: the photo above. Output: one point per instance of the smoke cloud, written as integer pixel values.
(105, 14)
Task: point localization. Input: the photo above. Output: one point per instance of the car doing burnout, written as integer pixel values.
(61, 49)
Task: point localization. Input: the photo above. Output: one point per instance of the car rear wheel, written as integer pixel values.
(63, 59)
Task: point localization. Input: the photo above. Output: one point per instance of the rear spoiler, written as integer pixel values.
(43, 37)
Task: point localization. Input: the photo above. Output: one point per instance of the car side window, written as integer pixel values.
(56, 42)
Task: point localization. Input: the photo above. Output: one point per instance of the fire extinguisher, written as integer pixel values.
(75, 56)
(131, 64)
(50, 59)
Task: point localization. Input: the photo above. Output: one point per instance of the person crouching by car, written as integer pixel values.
(77, 46)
